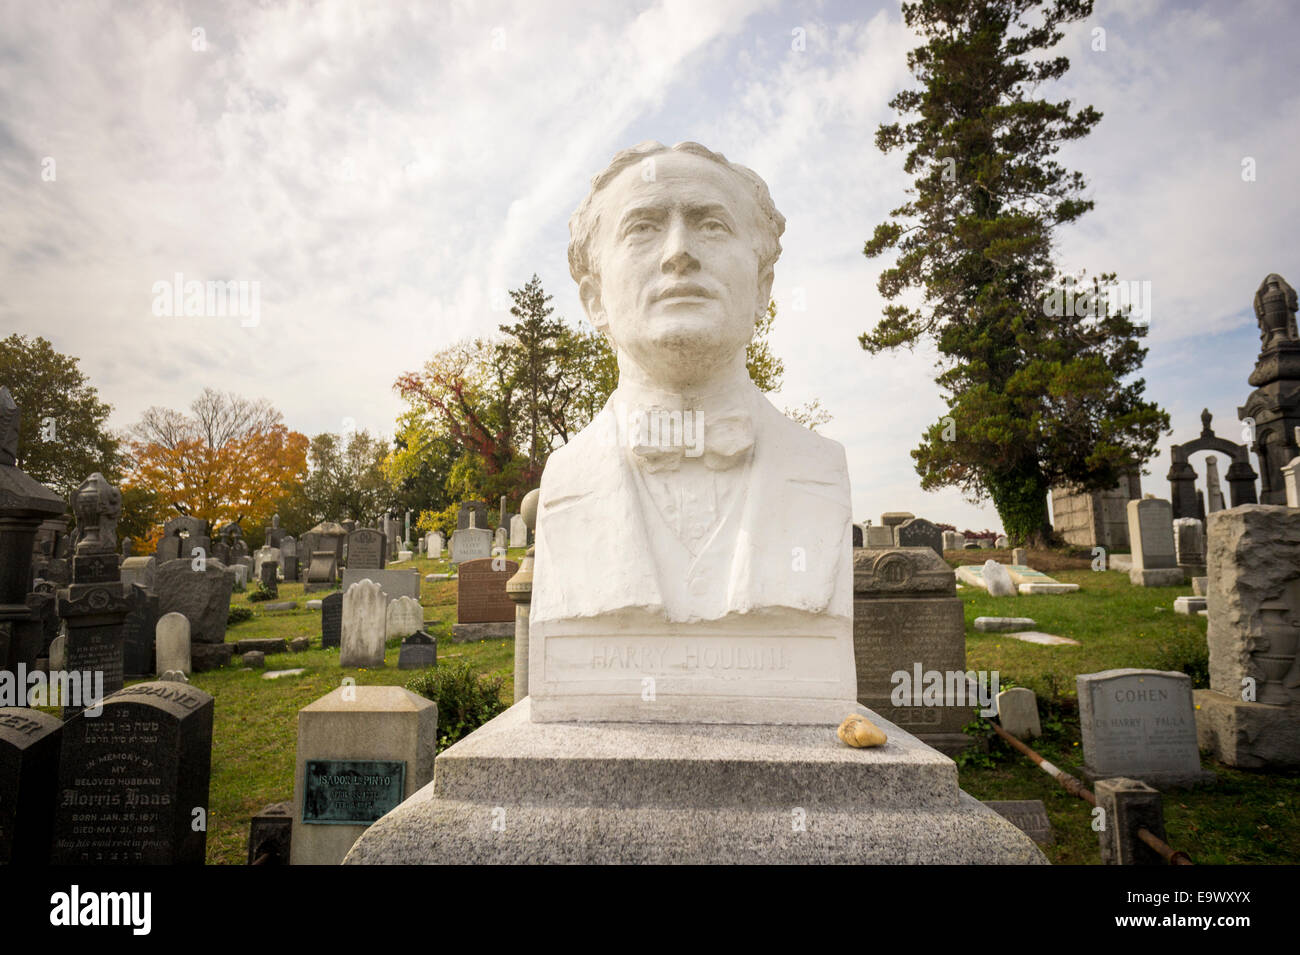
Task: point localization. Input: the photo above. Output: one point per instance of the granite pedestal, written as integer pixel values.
(515, 791)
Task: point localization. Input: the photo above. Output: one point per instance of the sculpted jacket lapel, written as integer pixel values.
(604, 520)
(797, 514)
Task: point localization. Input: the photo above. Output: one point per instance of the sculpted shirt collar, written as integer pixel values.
(659, 428)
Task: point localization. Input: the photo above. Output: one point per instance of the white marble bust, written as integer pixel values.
(694, 545)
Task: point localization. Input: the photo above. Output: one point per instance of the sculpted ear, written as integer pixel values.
(589, 292)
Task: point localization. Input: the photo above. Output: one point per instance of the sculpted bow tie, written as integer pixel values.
(660, 438)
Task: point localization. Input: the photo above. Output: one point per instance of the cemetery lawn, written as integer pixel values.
(255, 733)
(1245, 818)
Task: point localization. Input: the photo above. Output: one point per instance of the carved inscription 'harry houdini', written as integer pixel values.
(133, 782)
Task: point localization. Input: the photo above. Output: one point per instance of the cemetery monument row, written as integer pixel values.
(656, 669)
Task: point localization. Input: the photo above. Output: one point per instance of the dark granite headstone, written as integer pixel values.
(366, 548)
(141, 629)
(271, 577)
(29, 775)
(479, 510)
(918, 532)
(857, 536)
(270, 834)
(419, 650)
(331, 620)
(132, 781)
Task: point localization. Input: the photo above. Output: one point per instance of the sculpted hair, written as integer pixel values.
(585, 221)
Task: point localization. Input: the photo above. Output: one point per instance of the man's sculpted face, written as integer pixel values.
(678, 288)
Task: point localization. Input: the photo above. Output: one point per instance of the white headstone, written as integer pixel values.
(518, 531)
(1018, 712)
(879, 537)
(362, 640)
(172, 643)
(59, 653)
(404, 617)
(997, 580)
(1151, 534)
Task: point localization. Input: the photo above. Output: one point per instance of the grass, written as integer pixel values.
(1244, 818)
(255, 732)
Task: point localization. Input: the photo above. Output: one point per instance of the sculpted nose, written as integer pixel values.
(678, 258)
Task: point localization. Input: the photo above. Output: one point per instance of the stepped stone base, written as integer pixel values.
(516, 791)
(1247, 735)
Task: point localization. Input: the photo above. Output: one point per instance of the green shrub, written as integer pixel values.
(1185, 653)
(465, 700)
(238, 615)
(261, 592)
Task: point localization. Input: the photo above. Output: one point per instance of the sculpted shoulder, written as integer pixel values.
(806, 449)
(569, 468)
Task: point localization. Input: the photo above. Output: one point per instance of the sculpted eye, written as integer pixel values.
(714, 225)
(640, 227)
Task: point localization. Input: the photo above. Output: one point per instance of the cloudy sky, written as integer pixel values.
(386, 171)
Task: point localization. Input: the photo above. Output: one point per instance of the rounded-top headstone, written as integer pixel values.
(172, 643)
(998, 580)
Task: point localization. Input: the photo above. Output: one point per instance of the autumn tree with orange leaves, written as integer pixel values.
(230, 460)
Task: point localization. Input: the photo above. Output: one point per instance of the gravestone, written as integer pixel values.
(331, 620)
(133, 780)
(323, 572)
(275, 534)
(997, 580)
(950, 540)
(239, 576)
(95, 605)
(905, 613)
(361, 751)
(1139, 724)
(394, 583)
(181, 535)
(269, 835)
(477, 509)
(366, 550)
(362, 643)
(895, 518)
(173, 643)
(918, 532)
(29, 775)
(518, 531)
(433, 546)
(500, 538)
(203, 596)
(270, 577)
(1250, 715)
(1020, 557)
(1151, 540)
(263, 556)
(419, 651)
(140, 570)
(141, 624)
(58, 654)
(1030, 581)
(288, 554)
(879, 537)
(483, 609)
(1018, 713)
(472, 543)
(857, 536)
(1189, 546)
(403, 617)
(1028, 815)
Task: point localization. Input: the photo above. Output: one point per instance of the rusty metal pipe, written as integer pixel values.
(1077, 788)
